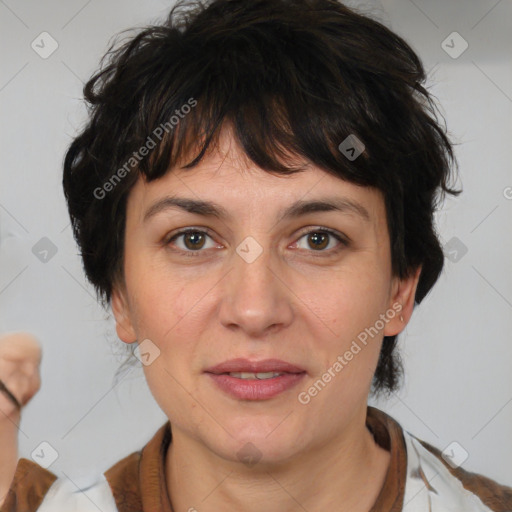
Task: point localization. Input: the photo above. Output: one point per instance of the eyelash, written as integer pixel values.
(343, 242)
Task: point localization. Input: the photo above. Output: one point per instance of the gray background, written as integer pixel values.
(457, 347)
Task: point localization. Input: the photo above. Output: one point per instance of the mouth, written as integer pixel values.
(255, 380)
(252, 375)
(245, 366)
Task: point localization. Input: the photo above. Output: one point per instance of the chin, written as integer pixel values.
(258, 452)
(267, 440)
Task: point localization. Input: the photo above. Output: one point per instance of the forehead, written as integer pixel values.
(227, 184)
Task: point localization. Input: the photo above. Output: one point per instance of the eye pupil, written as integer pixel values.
(194, 236)
(315, 237)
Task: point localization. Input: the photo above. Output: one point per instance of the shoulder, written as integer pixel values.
(421, 478)
(34, 488)
(431, 480)
(119, 489)
(30, 484)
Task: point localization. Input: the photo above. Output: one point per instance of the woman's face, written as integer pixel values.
(260, 281)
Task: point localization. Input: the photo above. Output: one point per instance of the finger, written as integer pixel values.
(20, 346)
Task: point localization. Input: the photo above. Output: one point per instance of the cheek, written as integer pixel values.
(169, 314)
(161, 296)
(347, 300)
(344, 335)
(345, 338)
(172, 314)
(166, 314)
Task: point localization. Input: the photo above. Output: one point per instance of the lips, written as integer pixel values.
(255, 380)
(241, 365)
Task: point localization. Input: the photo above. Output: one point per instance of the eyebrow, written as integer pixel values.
(297, 209)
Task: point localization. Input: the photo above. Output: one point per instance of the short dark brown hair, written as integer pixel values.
(290, 77)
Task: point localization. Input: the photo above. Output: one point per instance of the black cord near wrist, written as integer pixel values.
(13, 399)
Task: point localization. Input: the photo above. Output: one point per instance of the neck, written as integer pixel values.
(343, 474)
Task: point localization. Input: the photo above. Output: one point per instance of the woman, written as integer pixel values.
(253, 195)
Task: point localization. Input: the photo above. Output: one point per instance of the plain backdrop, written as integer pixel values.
(457, 348)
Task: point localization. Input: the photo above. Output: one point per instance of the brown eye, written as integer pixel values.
(193, 240)
(318, 239)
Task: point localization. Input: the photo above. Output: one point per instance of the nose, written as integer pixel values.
(255, 296)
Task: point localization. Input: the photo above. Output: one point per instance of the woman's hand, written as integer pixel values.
(20, 357)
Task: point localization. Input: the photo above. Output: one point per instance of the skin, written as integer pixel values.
(20, 358)
(294, 302)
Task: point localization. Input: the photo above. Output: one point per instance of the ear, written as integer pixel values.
(402, 301)
(122, 315)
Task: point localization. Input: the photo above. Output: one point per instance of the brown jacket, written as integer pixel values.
(137, 482)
